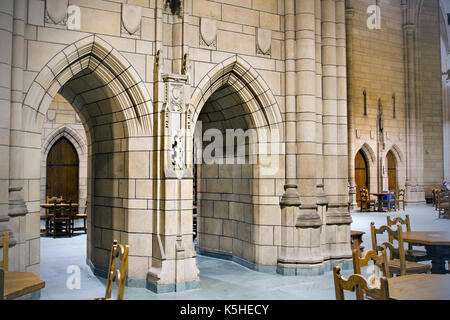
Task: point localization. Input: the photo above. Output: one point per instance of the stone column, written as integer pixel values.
(349, 16)
(17, 208)
(290, 81)
(329, 83)
(333, 64)
(414, 128)
(341, 69)
(6, 17)
(306, 99)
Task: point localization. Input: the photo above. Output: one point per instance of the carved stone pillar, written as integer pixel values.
(414, 127)
(349, 16)
(174, 260)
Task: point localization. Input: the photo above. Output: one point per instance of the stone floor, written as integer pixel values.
(219, 279)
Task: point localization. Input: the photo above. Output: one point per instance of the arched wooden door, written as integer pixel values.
(62, 171)
(392, 171)
(361, 174)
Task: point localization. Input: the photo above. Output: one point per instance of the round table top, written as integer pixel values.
(379, 193)
(437, 238)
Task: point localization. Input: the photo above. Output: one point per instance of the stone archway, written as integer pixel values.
(116, 112)
(232, 221)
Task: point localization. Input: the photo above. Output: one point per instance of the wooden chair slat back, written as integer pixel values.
(394, 252)
(361, 262)
(399, 220)
(5, 247)
(118, 252)
(358, 281)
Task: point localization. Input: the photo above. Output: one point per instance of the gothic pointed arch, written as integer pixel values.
(108, 70)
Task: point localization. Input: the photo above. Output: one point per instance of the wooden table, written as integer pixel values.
(50, 205)
(437, 245)
(18, 284)
(380, 196)
(420, 287)
(356, 240)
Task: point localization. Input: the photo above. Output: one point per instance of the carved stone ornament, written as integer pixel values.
(176, 97)
(264, 41)
(131, 18)
(51, 115)
(56, 11)
(208, 32)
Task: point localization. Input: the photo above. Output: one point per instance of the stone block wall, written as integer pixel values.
(376, 67)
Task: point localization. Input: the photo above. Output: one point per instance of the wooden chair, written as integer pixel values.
(434, 194)
(60, 221)
(49, 212)
(398, 264)
(400, 198)
(118, 252)
(357, 282)
(380, 260)
(411, 254)
(77, 216)
(443, 202)
(5, 245)
(366, 202)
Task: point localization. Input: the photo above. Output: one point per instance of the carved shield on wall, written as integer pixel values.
(131, 18)
(56, 10)
(208, 30)
(264, 39)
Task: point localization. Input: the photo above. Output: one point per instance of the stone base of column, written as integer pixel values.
(414, 194)
(164, 279)
(309, 269)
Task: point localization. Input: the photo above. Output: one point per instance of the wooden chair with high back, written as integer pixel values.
(443, 202)
(60, 221)
(4, 242)
(366, 202)
(77, 216)
(400, 198)
(119, 253)
(358, 282)
(398, 264)
(380, 260)
(411, 254)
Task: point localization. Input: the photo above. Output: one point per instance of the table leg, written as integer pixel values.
(380, 204)
(438, 256)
